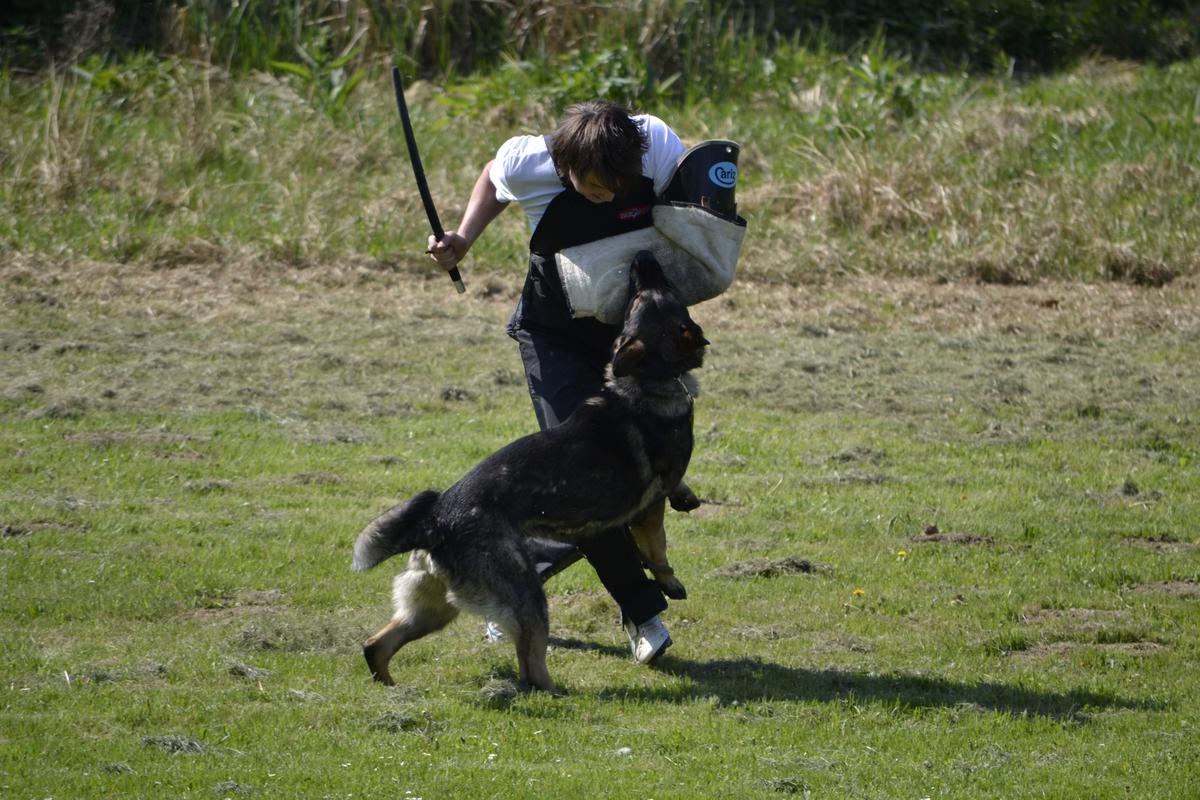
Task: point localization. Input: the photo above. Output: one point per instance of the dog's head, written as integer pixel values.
(659, 338)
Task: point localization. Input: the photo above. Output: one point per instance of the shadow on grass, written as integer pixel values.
(747, 680)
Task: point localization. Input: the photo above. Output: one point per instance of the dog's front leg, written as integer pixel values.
(651, 539)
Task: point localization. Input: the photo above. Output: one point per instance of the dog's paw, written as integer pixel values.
(684, 499)
(377, 663)
(528, 688)
(671, 587)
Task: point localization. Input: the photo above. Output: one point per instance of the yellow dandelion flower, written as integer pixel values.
(858, 593)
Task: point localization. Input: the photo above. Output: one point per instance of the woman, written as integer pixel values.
(596, 176)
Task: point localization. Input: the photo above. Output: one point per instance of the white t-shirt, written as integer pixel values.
(523, 171)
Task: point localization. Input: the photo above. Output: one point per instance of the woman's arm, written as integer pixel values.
(482, 208)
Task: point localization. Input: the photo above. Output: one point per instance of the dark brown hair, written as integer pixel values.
(600, 140)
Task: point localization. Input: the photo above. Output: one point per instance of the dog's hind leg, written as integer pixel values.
(421, 609)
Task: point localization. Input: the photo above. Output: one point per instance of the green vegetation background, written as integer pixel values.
(466, 36)
(935, 146)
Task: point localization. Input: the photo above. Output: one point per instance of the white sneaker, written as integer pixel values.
(649, 640)
(492, 632)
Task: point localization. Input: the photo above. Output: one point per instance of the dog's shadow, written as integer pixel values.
(752, 680)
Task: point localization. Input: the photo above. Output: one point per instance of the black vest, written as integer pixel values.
(571, 219)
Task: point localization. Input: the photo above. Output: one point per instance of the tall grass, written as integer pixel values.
(270, 133)
(852, 163)
(692, 47)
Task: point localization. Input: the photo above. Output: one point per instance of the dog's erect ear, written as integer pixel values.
(646, 272)
(629, 353)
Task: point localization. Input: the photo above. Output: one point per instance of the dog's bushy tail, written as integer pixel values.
(408, 526)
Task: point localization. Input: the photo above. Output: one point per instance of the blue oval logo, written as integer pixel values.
(723, 174)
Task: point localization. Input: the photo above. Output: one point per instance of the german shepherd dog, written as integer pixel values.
(611, 463)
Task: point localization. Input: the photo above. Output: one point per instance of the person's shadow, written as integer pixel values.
(752, 680)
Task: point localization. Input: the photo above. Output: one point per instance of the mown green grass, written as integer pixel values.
(183, 480)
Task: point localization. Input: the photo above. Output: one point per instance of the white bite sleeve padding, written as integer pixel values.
(697, 249)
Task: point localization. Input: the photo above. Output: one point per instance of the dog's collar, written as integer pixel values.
(666, 391)
(649, 395)
(683, 385)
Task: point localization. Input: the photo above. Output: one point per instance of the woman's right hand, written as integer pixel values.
(450, 250)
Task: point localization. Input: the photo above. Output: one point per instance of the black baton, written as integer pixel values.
(419, 173)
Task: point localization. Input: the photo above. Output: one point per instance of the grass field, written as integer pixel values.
(949, 544)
